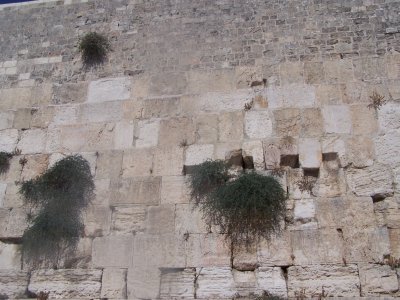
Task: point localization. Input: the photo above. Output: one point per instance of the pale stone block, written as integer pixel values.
(370, 181)
(175, 131)
(144, 190)
(363, 119)
(310, 155)
(40, 60)
(206, 128)
(128, 219)
(254, 149)
(222, 149)
(211, 81)
(109, 89)
(6, 119)
(133, 109)
(69, 93)
(11, 71)
(36, 165)
(277, 251)
(258, 124)
(8, 140)
(160, 219)
(42, 117)
(272, 280)
(314, 72)
(208, 250)
(137, 162)
(272, 155)
(189, 220)
(335, 144)
(167, 84)
(304, 209)
(291, 72)
(147, 133)
(394, 235)
(231, 127)
(13, 283)
(166, 250)
(109, 164)
(287, 122)
(55, 59)
(317, 246)
(66, 115)
(123, 138)
(177, 283)
(100, 112)
(312, 123)
(15, 98)
(245, 258)
(339, 71)
(360, 151)
(143, 282)
(14, 171)
(197, 154)
(334, 280)
(393, 66)
(161, 107)
(168, 161)
(377, 279)
(10, 257)
(369, 68)
(291, 95)
(9, 63)
(387, 149)
(245, 283)
(388, 116)
(73, 283)
(215, 283)
(22, 118)
(112, 251)
(331, 181)
(174, 189)
(16, 224)
(337, 119)
(329, 94)
(32, 141)
(97, 221)
(113, 284)
(3, 187)
(81, 257)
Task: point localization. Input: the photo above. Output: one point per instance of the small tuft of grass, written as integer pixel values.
(377, 100)
(94, 48)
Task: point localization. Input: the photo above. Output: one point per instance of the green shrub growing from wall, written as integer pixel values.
(94, 48)
(246, 207)
(58, 198)
(5, 161)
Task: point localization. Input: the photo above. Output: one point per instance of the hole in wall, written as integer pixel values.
(311, 172)
(378, 198)
(291, 161)
(330, 156)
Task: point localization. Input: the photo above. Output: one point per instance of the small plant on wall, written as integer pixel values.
(5, 158)
(94, 48)
(246, 207)
(57, 197)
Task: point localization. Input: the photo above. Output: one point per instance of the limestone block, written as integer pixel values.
(137, 162)
(161, 107)
(389, 209)
(16, 224)
(334, 280)
(14, 171)
(177, 283)
(275, 252)
(335, 144)
(258, 124)
(394, 236)
(272, 280)
(6, 119)
(160, 219)
(147, 133)
(377, 279)
(272, 155)
(100, 112)
(246, 75)
(389, 115)
(211, 81)
(254, 149)
(35, 166)
(22, 118)
(363, 119)
(69, 92)
(231, 127)
(337, 119)
(3, 187)
(197, 154)
(316, 246)
(311, 123)
(386, 147)
(8, 140)
(329, 94)
(294, 178)
(123, 138)
(392, 65)
(175, 131)
(112, 251)
(167, 84)
(143, 282)
(109, 89)
(113, 284)
(72, 283)
(174, 189)
(245, 282)
(109, 164)
(360, 151)
(146, 190)
(370, 181)
(366, 244)
(81, 257)
(15, 98)
(304, 209)
(245, 258)
(339, 71)
(165, 250)
(222, 149)
(291, 72)
(12, 197)
(97, 221)
(189, 220)
(128, 219)
(168, 161)
(10, 257)
(206, 250)
(66, 115)
(310, 155)
(13, 283)
(291, 96)
(331, 181)
(4, 216)
(42, 117)
(206, 128)
(287, 122)
(369, 68)
(215, 283)
(132, 109)
(314, 72)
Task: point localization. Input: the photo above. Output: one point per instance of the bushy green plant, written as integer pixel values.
(94, 48)
(58, 196)
(5, 161)
(246, 208)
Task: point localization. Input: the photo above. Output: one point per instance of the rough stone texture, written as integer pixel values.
(258, 125)
(13, 283)
(376, 279)
(272, 280)
(177, 283)
(215, 283)
(113, 284)
(112, 251)
(109, 89)
(64, 284)
(10, 257)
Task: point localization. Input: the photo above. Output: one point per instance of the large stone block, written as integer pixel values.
(143, 282)
(147, 133)
(144, 190)
(231, 127)
(16, 223)
(6, 119)
(337, 119)
(177, 283)
(10, 257)
(189, 220)
(66, 115)
(13, 284)
(161, 107)
(197, 154)
(168, 161)
(277, 251)
(61, 284)
(312, 122)
(291, 72)
(377, 279)
(291, 96)
(8, 140)
(386, 147)
(100, 112)
(109, 89)
(128, 219)
(310, 154)
(258, 124)
(215, 283)
(360, 151)
(363, 119)
(339, 71)
(97, 221)
(332, 280)
(175, 131)
(113, 284)
(287, 122)
(211, 81)
(137, 162)
(174, 189)
(314, 72)
(245, 283)
(3, 187)
(123, 138)
(36, 165)
(331, 181)
(160, 219)
(112, 251)
(69, 93)
(172, 83)
(206, 128)
(272, 280)
(109, 164)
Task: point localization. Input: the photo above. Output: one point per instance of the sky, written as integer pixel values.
(12, 1)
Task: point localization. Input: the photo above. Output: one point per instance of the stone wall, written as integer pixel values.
(177, 90)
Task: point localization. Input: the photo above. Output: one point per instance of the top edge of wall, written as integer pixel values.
(38, 3)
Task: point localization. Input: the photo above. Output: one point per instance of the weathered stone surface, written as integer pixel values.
(272, 280)
(360, 151)
(206, 128)
(123, 138)
(35, 166)
(304, 210)
(16, 223)
(312, 122)
(333, 280)
(77, 283)
(335, 144)
(6, 119)
(160, 219)
(100, 112)
(215, 283)
(108, 164)
(257, 124)
(113, 284)
(287, 122)
(363, 119)
(106, 253)
(337, 119)
(377, 279)
(174, 189)
(147, 133)
(310, 155)
(10, 257)
(197, 154)
(161, 107)
(128, 219)
(291, 95)
(137, 162)
(109, 89)
(143, 282)
(245, 258)
(172, 83)
(370, 181)
(177, 283)
(275, 252)
(168, 161)
(97, 221)
(231, 127)
(386, 148)
(69, 93)
(8, 140)
(175, 131)
(13, 283)
(255, 151)
(216, 81)
(189, 220)
(3, 187)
